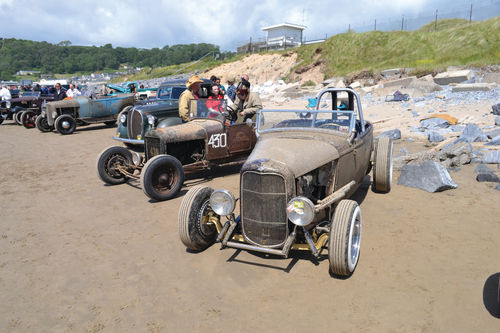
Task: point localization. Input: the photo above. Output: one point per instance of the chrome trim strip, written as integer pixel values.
(129, 140)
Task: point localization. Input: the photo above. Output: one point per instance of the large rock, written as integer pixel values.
(435, 137)
(392, 72)
(419, 157)
(491, 78)
(472, 87)
(394, 134)
(472, 133)
(496, 109)
(453, 77)
(432, 123)
(492, 134)
(492, 157)
(400, 83)
(429, 176)
(497, 121)
(455, 154)
(424, 86)
(495, 141)
(487, 177)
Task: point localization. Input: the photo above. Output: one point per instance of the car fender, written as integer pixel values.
(169, 122)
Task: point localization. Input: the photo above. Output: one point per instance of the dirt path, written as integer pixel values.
(77, 256)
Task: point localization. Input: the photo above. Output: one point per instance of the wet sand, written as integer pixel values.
(79, 256)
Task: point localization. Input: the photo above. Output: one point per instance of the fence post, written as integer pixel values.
(436, 21)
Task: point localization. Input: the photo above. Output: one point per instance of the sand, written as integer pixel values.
(79, 256)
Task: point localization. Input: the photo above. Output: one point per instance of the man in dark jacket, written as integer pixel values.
(60, 93)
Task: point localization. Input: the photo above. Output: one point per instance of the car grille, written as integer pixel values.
(152, 147)
(134, 124)
(263, 208)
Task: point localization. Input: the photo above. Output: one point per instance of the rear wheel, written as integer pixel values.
(28, 119)
(345, 238)
(382, 170)
(65, 124)
(162, 177)
(43, 125)
(110, 161)
(194, 230)
(17, 117)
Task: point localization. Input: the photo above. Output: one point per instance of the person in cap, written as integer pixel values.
(246, 104)
(193, 86)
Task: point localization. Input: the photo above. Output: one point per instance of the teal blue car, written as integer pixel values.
(163, 111)
(130, 86)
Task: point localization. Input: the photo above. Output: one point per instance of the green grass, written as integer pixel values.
(455, 43)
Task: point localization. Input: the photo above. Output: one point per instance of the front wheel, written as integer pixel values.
(110, 161)
(43, 125)
(28, 119)
(65, 124)
(195, 230)
(345, 238)
(382, 170)
(162, 177)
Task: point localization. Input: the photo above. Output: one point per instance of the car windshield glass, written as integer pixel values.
(335, 120)
(170, 92)
(207, 108)
(30, 93)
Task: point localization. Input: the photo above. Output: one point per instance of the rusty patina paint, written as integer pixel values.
(197, 129)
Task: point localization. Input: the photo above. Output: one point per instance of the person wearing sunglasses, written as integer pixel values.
(246, 104)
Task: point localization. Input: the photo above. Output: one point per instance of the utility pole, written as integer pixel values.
(470, 15)
(250, 46)
(436, 21)
(402, 23)
(375, 25)
(349, 30)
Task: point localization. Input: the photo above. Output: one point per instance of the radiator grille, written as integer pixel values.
(152, 147)
(263, 208)
(134, 124)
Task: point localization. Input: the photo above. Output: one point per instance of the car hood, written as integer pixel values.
(193, 130)
(298, 152)
(157, 105)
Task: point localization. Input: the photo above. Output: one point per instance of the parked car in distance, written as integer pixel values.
(208, 140)
(160, 112)
(126, 87)
(25, 108)
(65, 115)
(295, 185)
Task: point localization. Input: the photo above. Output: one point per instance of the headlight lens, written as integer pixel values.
(300, 211)
(222, 202)
(151, 120)
(123, 118)
(7, 104)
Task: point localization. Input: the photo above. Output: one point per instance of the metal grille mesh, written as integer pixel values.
(152, 147)
(134, 124)
(263, 208)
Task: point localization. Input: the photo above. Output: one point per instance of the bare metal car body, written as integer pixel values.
(294, 186)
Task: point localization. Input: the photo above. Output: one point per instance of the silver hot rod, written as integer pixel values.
(295, 185)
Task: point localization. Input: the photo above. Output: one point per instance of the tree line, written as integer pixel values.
(17, 54)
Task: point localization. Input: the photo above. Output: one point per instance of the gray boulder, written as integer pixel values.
(456, 154)
(429, 176)
(494, 142)
(481, 168)
(497, 121)
(497, 187)
(394, 134)
(472, 133)
(496, 109)
(433, 123)
(487, 177)
(435, 137)
(494, 133)
(492, 157)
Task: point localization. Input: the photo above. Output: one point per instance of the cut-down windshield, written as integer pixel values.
(336, 120)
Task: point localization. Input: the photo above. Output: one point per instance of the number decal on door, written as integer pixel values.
(218, 140)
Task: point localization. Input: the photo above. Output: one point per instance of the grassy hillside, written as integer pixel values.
(456, 42)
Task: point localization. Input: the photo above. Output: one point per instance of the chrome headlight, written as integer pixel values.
(151, 120)
(300, 211)
(54, 114)
(123, 118)
(7, 104)
(222, 202)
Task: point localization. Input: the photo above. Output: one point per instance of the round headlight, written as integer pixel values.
(300, 211)
(123, 118)
(151, 120)
(222, 202)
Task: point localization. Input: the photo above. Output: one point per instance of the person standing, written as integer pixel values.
(5, 93)
(193, 86)
(73, 91)
(231, 89)
(59, 93)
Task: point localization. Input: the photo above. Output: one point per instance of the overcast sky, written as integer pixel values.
(148, 24)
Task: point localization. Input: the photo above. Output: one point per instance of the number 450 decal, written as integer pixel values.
(218, 140)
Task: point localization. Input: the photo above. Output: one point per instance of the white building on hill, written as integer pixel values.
(284, 35)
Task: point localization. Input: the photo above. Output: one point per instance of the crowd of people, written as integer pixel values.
(242, 104)
(57, 90)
